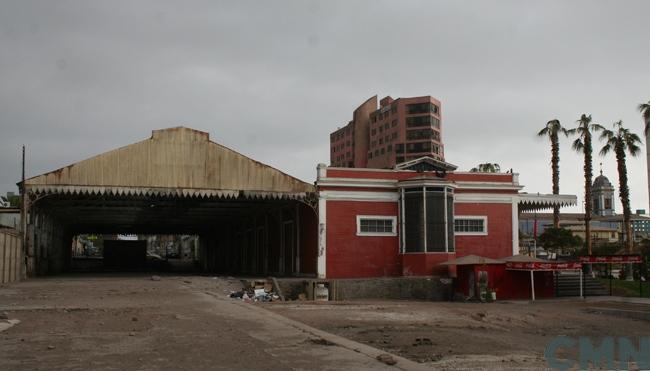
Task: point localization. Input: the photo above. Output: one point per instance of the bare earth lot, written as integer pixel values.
(469, 335)
(188, 323)
(134, 323)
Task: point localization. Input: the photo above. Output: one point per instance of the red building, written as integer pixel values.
(406, 221)
(398, 130)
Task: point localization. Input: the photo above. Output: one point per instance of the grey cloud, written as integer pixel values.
(272, 79)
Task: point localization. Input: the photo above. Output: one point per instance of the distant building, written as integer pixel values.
(602, 196)
(641, 224)
(397, 131)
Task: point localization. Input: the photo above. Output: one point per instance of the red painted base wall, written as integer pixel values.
(415, 264)
(508, 284)
(352, 256)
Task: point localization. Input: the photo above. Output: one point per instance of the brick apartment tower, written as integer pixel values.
(398, 130)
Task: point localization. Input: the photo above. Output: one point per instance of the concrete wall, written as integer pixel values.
(395, 288)
(9, 219)
(398, 288)
(11, 256)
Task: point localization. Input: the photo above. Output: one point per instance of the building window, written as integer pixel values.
(427, 214)
(394, 123)
(418, 147)
(470, 225)
(376, 225)
(421, 108)
(389, 148)
(419, 134)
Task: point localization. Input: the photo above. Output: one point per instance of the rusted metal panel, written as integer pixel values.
(178, 158)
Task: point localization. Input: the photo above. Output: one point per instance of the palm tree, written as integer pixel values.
(583, 144)
(486, 168)
(622, 141)
(552, 130)
(644, 108)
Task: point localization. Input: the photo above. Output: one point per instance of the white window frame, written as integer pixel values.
(472, 217)
(376, 217)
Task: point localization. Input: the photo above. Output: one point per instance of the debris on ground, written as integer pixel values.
(387, 359)
(422, 341)
(3, 315)
(321, 341)
(256, 290)
(155, 278)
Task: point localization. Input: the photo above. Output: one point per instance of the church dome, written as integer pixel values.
(601, 181)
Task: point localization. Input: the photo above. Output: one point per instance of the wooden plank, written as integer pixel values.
(9, 261)
(3, 249)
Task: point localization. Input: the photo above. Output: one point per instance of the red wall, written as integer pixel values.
(508, 284)
(421, 264)
(352, 256)
(498, 242)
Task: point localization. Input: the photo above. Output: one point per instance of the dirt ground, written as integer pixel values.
(444, 335)
(132, 322)
(136, 323)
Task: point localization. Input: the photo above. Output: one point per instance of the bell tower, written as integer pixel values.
(602, 196)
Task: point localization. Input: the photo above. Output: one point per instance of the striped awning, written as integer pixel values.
(532, 202)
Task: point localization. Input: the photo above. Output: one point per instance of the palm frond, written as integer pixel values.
(605, 150)
(633, 149)
(597, 127)
(578, 145)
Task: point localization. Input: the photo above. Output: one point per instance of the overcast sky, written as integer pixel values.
(272, 79)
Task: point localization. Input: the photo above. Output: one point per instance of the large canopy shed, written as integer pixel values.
(250, 217)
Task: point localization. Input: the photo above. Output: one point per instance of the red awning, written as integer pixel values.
(611, 259)
(545, 266)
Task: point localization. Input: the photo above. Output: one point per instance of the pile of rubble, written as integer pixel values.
(257, 290)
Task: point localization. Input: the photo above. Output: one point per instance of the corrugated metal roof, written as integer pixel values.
(173, 162)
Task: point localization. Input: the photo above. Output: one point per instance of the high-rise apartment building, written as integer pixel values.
(396, 131)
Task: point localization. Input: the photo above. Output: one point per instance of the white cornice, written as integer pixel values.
(357, 182)
(359, 196)
(484, 198)
(489, 185)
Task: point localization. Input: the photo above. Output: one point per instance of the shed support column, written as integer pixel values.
(297, 267)
(532, 284)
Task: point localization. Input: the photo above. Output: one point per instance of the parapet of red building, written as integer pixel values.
(408, 220)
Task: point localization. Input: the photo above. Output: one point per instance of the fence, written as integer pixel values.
(11, 256)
